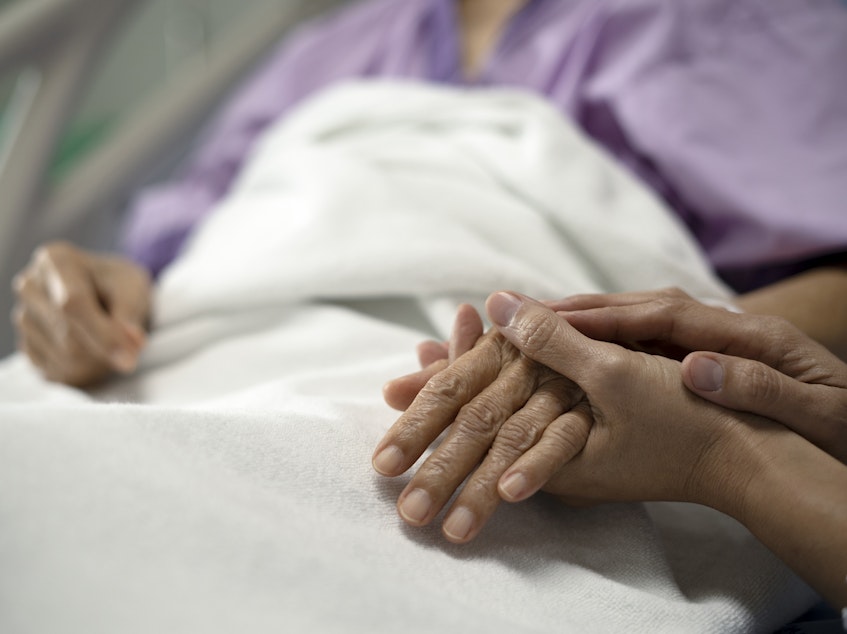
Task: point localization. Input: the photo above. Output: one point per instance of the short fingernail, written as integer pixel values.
(502, 308)
(415, 507)
(459, 524)
(388, 461)
(706, 374)
(514, 486)
(124, 361)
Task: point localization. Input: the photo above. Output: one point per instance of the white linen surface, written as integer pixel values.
(227, 486)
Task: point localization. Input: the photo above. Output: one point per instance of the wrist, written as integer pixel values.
(733, 465)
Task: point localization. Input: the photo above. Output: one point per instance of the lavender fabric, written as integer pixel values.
(734, 111)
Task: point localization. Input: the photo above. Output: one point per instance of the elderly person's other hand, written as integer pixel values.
(496, 404)
(762, 365)
(81, 316)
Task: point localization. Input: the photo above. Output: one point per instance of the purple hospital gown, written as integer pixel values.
(734, 111)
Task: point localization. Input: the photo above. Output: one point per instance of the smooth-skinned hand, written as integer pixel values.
(80, 316)
(753, 363)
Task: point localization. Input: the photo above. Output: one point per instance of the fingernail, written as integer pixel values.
(388, 461)
(415, 507)
(123, 361)
(514, 486)
(706, 374)
(502, 308)
(458, 524)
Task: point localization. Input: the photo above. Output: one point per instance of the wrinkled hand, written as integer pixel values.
(497, 404)
(434, 356)
(80, 316)
(752, 363)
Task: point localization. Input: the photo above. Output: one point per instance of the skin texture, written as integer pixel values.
(751, 363)
(614, 445)
(81, 317)
(494, 400)
(814, 301)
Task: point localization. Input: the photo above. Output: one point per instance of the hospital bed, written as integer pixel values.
(226, 487)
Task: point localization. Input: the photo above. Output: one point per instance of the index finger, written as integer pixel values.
(437, 405)
(689, 324)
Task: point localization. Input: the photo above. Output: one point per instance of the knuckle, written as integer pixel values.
(568, 439)
(669, 304)
(761, 384)
(482, 489)
(613, 369)
(446, 386)
(480, 417)
(516, 438)
(537, 333)
(437, 470)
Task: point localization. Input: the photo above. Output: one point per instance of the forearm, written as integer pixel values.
(796, 504)
(815, 302)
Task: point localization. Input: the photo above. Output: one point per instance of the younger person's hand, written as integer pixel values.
(650, 440)
(654, 440)
(81, 316)
(753, 363)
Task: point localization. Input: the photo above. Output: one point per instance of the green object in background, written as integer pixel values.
(76, 144)
(81, 138)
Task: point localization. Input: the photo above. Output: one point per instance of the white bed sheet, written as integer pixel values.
(227, 486)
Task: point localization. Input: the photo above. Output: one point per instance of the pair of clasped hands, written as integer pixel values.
(586, 398)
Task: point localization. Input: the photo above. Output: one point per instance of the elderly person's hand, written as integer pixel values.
(81, 316)
(752, 363)
(434, 356)
(496, 404)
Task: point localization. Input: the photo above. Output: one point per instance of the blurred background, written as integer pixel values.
(161, 64)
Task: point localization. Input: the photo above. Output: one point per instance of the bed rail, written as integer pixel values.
(58, 43)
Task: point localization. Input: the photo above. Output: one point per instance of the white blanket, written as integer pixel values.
(227, 486)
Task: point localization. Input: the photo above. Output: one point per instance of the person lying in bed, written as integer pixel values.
(731, 111)
(631, 431)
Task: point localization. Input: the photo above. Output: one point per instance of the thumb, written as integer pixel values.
(751, 386)
(544, 336)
